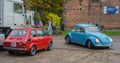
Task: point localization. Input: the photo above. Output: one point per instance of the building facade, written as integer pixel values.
(92, 11)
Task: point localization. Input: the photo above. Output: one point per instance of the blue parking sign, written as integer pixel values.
(111, 10)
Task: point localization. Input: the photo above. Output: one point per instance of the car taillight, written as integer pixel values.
(23, 44)
(7, 44)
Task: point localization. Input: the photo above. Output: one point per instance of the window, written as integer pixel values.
(73, 29)
(92, 29)
(95, 1)
(80, 29)
(33, 33)
(18, 33)
(18, 8)
(80, 5)
(40, 33)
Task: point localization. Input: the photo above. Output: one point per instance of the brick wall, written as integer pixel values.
(91, 14)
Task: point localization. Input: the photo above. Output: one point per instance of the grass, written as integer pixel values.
(64, 32)
(109, 33)
(112, 33)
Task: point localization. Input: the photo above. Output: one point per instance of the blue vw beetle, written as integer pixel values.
(88, 35)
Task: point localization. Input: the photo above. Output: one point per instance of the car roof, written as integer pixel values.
(84, 25)
(27, 28)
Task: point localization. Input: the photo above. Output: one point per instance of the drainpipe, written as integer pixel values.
(89, 9)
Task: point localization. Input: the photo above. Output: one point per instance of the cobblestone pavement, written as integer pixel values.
(63, 53)
(60, 43)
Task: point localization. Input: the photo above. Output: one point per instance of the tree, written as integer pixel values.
(54, 18)
(45, 7)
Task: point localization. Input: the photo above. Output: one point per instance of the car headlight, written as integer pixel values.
(97, 40)
(111, 40)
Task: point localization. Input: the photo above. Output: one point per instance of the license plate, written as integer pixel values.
(13, 44)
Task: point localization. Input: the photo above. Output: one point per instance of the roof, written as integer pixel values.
(18, 1)
(84, 25)
(26, 28)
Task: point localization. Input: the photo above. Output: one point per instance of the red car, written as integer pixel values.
(27, 40)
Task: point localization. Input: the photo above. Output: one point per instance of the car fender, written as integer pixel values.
(92, 39)
(31, 46)
(50, 41)
(68, 35)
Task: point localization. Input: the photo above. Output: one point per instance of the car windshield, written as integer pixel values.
(18, 33)
(92, 29)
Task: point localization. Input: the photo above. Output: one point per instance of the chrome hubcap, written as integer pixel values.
(33, 51)
(67, 40)
(89, 44)
(50, 46)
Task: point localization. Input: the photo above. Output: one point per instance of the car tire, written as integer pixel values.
(89, 44)
(108, 47)
(11, 52)
(49, 46)
(67, 40)
(32, 51)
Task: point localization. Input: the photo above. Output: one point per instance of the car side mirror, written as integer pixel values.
(46, 32)
(34, 35)
(28, 40)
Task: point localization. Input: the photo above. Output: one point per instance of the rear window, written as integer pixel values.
(18, 33)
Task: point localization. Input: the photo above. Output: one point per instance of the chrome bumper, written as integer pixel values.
(17, 49)
(107, 45)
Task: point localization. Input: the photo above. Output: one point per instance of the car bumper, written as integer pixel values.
(16, 49)
(1, 46)
(105, 45)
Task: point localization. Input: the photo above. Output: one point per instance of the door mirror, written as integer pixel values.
(34, 35)
(28, 40)
(25, 9)
(47, 33)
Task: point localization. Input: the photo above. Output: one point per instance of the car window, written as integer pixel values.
(80, 29)
(40, 33)
(33, 33)
(18, 33)
(73, 29)
(92, 29)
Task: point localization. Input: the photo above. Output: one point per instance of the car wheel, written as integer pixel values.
(89, 44)
(32, 51)
(49, 46)
(11, 52)
(67, 40)
(108, 47)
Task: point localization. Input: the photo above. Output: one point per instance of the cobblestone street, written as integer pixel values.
(63, 53)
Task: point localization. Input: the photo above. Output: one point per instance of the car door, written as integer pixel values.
(73, 34)
(42, 39)
(34, 38)
(80, 35)
(18, 14)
